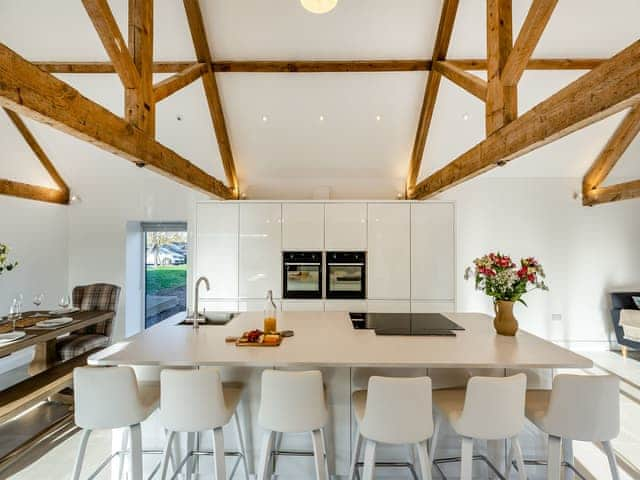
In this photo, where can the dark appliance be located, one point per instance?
(409, 324)
(302, 274)
(346, 275)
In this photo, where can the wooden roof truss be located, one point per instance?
(609, 86)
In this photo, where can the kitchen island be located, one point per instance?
(347, 357)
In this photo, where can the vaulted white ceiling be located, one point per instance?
(293, 152)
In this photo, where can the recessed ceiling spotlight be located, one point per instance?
(265, 119)
(179, 117)
(466, 116)
(378, 118)
(75, 198)
(319, 6)
(322, 118)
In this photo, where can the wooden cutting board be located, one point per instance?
(243, 342)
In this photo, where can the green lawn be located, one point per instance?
(170, 276)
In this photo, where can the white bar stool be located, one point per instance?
(110, 398)
(293, 402)
(491, 408)
(194, 401)
(579, 407)
(395, 411)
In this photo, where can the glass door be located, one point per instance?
(165, 271)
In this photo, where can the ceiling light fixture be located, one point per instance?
(378, 118)
(265, 119)
(322, 118)
(466, 117)
(319, 6)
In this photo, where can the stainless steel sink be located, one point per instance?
(211, 318)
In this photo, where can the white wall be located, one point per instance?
(37, 234)
(587, 252)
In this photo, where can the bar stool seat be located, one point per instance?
(194, 401)
(111, 398)
(490, 408)
(393, 411)
(578, 407)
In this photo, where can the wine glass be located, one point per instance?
(38, 299)
(64, 302)
(14, 312)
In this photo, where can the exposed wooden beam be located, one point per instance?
(628, 129)
(322, 66)
(535, 63)
(171, 85)
(111, 37)
(33, 192)
(473, 84)
(610, 88)
(27, 90)
(443, 37)
(612, 193)
(37, 150)
(502, 101)
(530, 33)
(140, 108)
(105, 67)
(203, 54)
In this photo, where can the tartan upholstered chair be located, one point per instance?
(98, 296)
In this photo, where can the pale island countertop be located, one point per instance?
(327, 339)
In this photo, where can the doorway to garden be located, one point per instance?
(165, 270)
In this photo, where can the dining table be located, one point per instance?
(44, 338)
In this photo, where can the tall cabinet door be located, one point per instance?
(388, 261)
(260, 249)
(303, 226)
(345, 226)
(432, 251)
(217, 248)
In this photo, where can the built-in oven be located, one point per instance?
(302, 274)
(346, 275)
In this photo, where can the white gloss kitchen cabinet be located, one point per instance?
(217, 249)
(432, 252)
(303, 226)
(260, 245)
(345, 227)
(389, 250)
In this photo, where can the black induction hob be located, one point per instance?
(409, 324)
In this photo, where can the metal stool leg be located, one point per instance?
(82, 450)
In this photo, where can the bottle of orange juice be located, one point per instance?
(270, 314)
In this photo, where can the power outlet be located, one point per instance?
(556, 317)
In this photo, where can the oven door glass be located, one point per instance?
(346, 281)
(303, 280)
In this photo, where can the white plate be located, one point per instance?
(62, 311)
(11, 337)
(54, 322)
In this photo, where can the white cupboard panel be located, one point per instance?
(433, 307)
(217, 249)
(252, 305)
(260, 255)
(303, 306)
(228, 305)
(388, 259)
(303, 226)
(345, 306)
(388, 306)
(345, 226)
(432, 251)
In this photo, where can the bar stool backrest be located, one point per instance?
(106, 397)
(398, 410)
(192, 400)
(493, 407)
(584, 407)
(292, 401)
